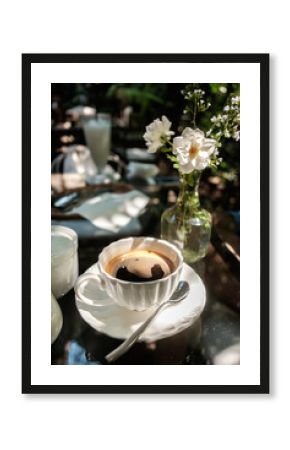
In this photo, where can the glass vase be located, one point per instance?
(186, 224)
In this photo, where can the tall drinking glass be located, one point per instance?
(98, 138)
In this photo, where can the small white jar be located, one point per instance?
(64, 259)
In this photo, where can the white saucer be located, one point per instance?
(101, 313)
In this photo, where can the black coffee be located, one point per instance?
(140, 266)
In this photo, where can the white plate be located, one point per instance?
(102, 314)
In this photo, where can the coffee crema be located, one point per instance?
(140, 266)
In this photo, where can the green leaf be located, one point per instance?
(172, 158)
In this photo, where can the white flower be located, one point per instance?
(157, 133)
(193, 150)
(235, 100)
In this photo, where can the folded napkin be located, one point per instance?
(112, 212)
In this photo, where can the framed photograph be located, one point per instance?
(145, 218)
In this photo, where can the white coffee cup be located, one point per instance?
(135, 295)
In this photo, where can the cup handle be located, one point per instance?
(85, 277)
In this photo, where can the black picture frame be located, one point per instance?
(263, 61)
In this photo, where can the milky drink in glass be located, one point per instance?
(98, 138)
